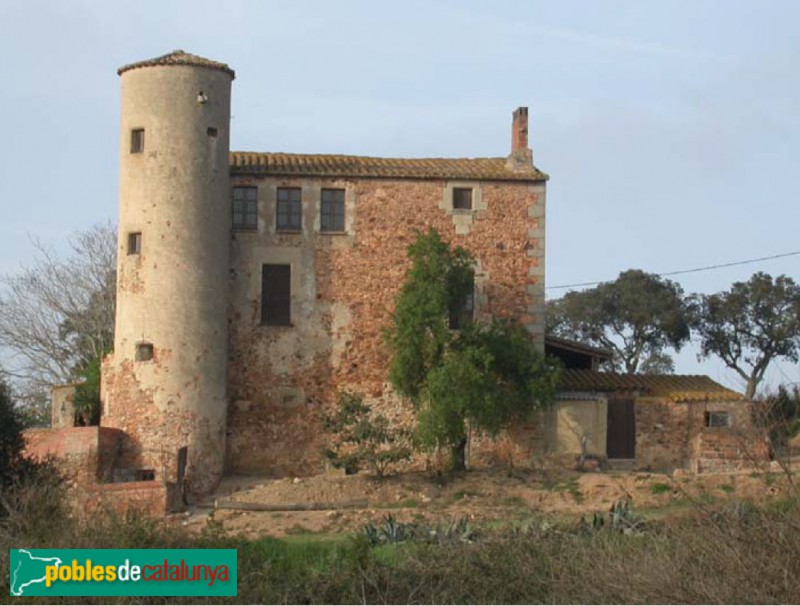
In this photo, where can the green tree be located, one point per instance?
(482, 377)
(11, 441)
(86, 400)
(436, 285)
(637, 316)
(750, 325)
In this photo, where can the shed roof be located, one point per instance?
(678, 388)
(178, 57)
(335, 165)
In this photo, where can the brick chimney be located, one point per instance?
(521, 156)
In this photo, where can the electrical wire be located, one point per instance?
(686, 271)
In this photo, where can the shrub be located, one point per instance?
(362, 437)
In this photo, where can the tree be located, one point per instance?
(637, 317)
(482, 377)
(11, 441)
(749, 326)
(57, 315)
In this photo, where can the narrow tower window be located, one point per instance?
(212, 132)
(276, 295)
(137, 140)
(332, 210)
(290, 209)
(144, 352)
(135, 243)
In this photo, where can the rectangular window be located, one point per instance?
(290, 209)
(245, 208)
(462, 198)
(144, 352)
(718, 419)
(276, 295)
(137, 140)
(135, 243)
(462, 315)
(332, 210)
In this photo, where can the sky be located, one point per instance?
(670, 130)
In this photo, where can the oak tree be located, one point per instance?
(638, 317)
(750, 325)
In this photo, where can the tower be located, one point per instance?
(165, 383)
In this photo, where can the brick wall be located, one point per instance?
(83, 454)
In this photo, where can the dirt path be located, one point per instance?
(480, 495)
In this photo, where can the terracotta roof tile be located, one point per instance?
(178, 57)
(678, 388)
(320, 165)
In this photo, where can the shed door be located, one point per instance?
(621, 429)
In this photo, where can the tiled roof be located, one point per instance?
(178, 57)
(320, 165)
(678, 388)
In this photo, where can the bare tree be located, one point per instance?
(57, 314)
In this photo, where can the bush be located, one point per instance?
(364, 438)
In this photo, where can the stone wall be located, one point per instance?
(281, 378)
(724, 449)
(663, 431)
(83, 454)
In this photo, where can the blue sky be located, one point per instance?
(671, 130)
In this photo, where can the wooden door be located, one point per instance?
(621, 429)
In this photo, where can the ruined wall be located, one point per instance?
(83, 455)
(62, 407)
(725, 449)
(343, 288)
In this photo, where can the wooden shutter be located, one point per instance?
(276, 295)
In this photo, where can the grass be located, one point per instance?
(660, 488)
(713, 553)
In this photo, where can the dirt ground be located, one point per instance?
(483, 496)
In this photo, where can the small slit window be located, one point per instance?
(462, 198)
(212, 132)
(135, 243)
(137, 140)
(718, 419)
(144, 475)
(144, 352)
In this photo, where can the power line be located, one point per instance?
(686, 271)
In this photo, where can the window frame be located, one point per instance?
(715, 419)
(134, 244)
(289, 209)
(457, 196)
(465, 316)
(331, 213)
(137, 140)
(248, 210)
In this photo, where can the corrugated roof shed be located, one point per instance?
(678, 388)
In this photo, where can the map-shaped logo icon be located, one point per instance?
(27, 569)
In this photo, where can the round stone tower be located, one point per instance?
(165, 383)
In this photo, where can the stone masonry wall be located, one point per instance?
(343, 287)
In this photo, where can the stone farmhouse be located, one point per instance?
(253, 287)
